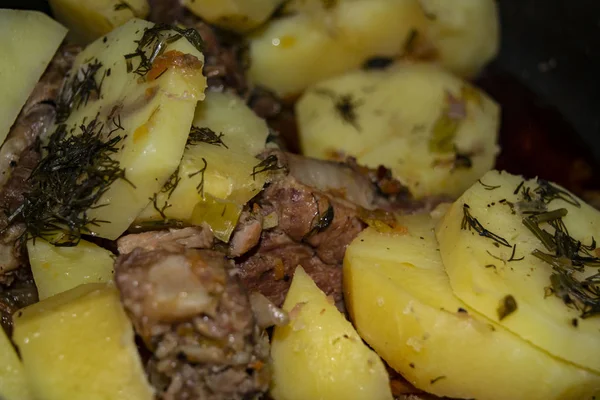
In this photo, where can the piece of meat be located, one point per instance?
(321, 206)
(197, 237)
(269, 270)
(195, 317)
(246, 234)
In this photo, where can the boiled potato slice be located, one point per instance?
(402, 304)
(319, 355)
(237, 15)
(496, 273)
(463, 33)
(13, 384)
(215, 177)
(80, 344)
(151, 113)
(58, 269)
(297, 51)
(29, 41)
(87, 20)
(434, 131)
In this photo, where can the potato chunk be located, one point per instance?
(29, 41)
(500, 268)
(87, 20)
(463, 33)
(215, 177)
(434, 131)
(319, 355)
(79, 345)
(13, 384)
(145, 109)
(57, 269)
(402, 304)
(237, 15)
(297, 51)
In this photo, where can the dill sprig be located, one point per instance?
(153, 43)
(271, 163)
(205, 135)
(79, 89)
(567, 256)
(76, 170)
(201, 172)
(471, 223)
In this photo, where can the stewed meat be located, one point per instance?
(196, 318)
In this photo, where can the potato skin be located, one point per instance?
(398, 116)
(401, 302)
(319, 355)
(541, 319)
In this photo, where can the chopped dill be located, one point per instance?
(567, 257)
(549, 192)
(439, 378)
(79, 89)
(201, 172)
(344, 105)
(508, 305)
(153, 43)
(469, 222)
(489, 187)
(74, 173)
(171, 183)
(271, 163)
(205, 135)
(462, 161)
(160, 209)
(512, 255)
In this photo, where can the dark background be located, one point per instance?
(546, 79)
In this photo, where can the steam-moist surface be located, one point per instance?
(401, 303)
(540, 319)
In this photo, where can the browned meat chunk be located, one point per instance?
(247, 234)
(196, 318)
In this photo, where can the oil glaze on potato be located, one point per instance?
(295, 52)
(319, 355)
(483, 271)
(57, 269)
(87, 20)
(79, 345)
(29, 41)
(402, 304)
(434, 131)
(152, 115)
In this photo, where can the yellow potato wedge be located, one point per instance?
(319, 355)
(87, 20)
(13, 383)
(488, 253)
(436, 132)
(80, 344)
(29, 42)
(402, 304)
(58, 269)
